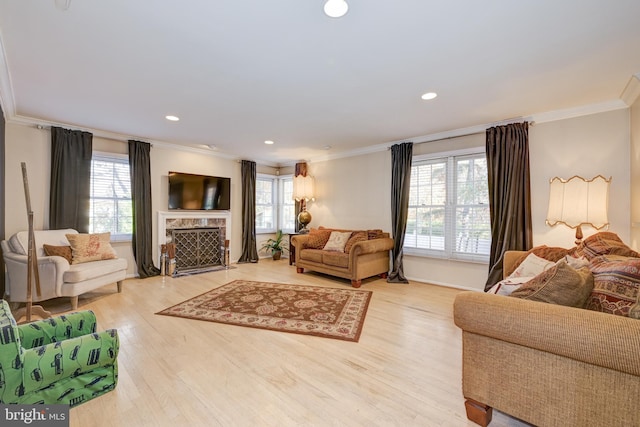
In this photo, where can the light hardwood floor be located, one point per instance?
(404, 371)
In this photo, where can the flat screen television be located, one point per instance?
(199, 192)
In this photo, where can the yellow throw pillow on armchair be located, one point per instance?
(90, 247)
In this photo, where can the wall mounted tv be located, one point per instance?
(199, 192)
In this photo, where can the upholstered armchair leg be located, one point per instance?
(478, 412)
(356, 283)
(74, 303)
(384, 275)
(119, 285)
(299, 270)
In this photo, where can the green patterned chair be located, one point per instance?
(61, 360)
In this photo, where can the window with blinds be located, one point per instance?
(275, 207)
(110, 204)
(449, 208)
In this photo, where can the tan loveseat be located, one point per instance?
(58, 277)
(547, 364)
(366, 256)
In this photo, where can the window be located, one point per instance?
(265, 204)
(111, 206)
(449, 208)
(275, 207)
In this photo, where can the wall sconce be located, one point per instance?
(303, 191)
(577, 201)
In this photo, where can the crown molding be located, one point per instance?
(632, 91)
(7, 100)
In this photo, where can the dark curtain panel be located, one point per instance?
(249, 248)
(70, 179)
(301, 169)
(401, 155)
(2, 202)
(509, 194)
(142, 238)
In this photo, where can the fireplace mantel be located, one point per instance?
(193, 216)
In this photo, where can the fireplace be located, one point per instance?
(199, 237)
(198, 248)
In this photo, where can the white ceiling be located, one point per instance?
(243, 71)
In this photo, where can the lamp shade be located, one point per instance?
(303, 188)
(578, 201)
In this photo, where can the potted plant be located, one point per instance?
(275, 246)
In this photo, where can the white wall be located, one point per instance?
(635, 175)
(33, 146)
(354, 192)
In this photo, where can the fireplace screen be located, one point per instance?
(197, 248)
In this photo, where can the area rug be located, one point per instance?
(308, 310)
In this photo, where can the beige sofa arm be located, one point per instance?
(596, 338)
(372, 246)
(509, 262)
(298, 240)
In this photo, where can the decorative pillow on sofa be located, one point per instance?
(616, 284)
(317, 239)
(603, 243)
(90, 247)
(337, 241)
(374, 234)
(527, 270)
(63, 251)
(550, 253)
(560, 284)
(356, 236)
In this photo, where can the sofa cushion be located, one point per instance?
(19, 242)
(336, 259)
(603, 243)
(91, 247)
(314, 255)
(63, 251)
(560, 284)
(317, 239)
(356, 236)
(90, 270)
(616, 285)
(337, 241)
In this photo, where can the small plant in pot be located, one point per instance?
(275, 246)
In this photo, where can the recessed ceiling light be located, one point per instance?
(429, 95)
(335, 8)
(172, 118)
(269, 142)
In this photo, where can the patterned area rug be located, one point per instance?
(309, 310)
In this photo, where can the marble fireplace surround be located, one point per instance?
(168, 220)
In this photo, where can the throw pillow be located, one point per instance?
(90, 247)
(356, 236)
(317, 239)
(531, 266)
(508, 285)
(374, 234)
(560, 284)
(550, 253)
(616, 283)
(337, 241)
(603, 243)
(63, 251)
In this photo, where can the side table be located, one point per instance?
(292, 249)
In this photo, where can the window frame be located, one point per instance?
(274, 191)
(113, 158)
(277, 203)
(449, 252)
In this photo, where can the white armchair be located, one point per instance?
(58, 278)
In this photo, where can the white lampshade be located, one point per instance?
(303, 188)
(578, 201)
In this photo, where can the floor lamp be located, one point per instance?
(32, 263)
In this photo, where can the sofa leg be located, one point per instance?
(74, 303)
(119, 285)
(356, 283)
(478, 412)
(384, 275)
(299, 269)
